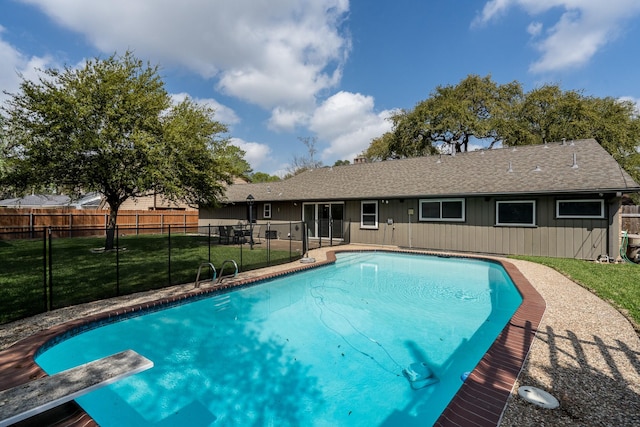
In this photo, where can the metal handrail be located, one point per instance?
(222, 269)
(211, 267)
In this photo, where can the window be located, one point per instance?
(442, 210)
(266, 210)
(580, 208)
(516, 213)
(369, 214)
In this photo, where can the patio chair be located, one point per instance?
(226, 234)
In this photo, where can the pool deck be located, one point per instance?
(584, 352)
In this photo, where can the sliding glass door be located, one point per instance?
(324, 220)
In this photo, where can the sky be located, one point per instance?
(281, 71)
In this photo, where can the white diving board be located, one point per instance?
(32, 398)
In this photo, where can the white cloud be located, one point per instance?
(584, 28)
(223, 114)
(14, 66)
(256, 154)
(348, 121)
(280, 52)
(283, 119)
(534, 29)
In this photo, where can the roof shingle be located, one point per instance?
(572, 167)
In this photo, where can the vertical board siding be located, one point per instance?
(553, 237)
(565, 238)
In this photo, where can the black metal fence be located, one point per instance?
(52, 270)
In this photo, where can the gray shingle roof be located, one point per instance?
(533, 169)
(37, 201)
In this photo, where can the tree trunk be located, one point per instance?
(111, 227)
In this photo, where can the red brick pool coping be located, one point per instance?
(479, 402)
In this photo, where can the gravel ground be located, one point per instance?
(586, 353)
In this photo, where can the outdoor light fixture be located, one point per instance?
(250, 200)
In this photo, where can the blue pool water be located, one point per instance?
(325, 347)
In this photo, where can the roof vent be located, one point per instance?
(572, 143)
(514, 149)
(575, 162)
(537, 169)
(564, 141)
(510, 168)
(439, 158)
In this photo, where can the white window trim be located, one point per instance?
(421, 218)
(266, 210)
(601, 216)
(508, 224)
(362, 225)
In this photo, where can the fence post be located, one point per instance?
(44, 269)
(240, 243)
(290, 237)
(169, 246)
(268, 236)
(330, 231)
(209, 244)
(50, 272)
(117, 261)
(305, 237)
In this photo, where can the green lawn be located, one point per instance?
(79, 274)
(619, 284)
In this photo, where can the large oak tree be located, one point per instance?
(110, 127)
(479, 109)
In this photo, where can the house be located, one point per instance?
(37, 201)
(94, 201)
(557, 200)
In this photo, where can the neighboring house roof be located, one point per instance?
(571, 167)
(89, 201)
(37, 201)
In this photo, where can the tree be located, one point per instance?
(342, 163)
(449, 119)
(263, 177)
(480, 109)
(233, 156)
(109, 127)
(300, 164)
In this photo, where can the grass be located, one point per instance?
(618, 284)
(79, 274)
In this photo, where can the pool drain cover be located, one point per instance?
(538, 397)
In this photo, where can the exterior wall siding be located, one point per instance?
(231, 214)
(565, 238)
(553, 237)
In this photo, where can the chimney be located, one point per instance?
(359, 159)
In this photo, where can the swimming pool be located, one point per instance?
(323, 347)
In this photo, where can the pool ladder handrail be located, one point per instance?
(235, 274)
(211, 267)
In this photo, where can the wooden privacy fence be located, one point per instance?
(22, 223)
(630, 215)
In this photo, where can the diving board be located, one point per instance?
(26, 400)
